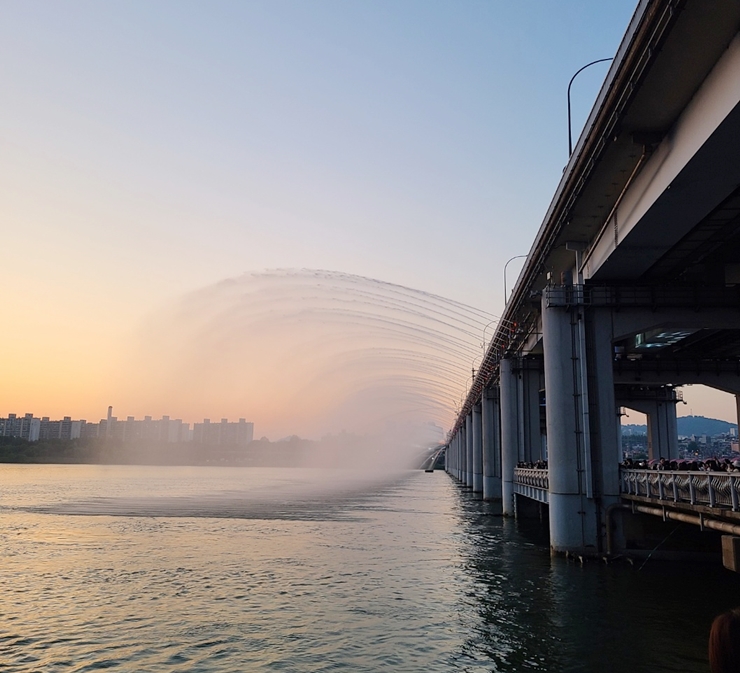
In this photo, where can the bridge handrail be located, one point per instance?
(531, 476)
(715, 489)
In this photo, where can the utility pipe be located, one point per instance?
(722, 526)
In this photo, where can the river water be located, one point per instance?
(249, 569)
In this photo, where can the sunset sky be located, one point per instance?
(149, 150)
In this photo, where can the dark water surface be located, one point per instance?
(231, 569)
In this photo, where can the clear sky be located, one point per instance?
(151, 149)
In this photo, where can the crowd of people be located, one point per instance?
(681, 464)
(707, 465)
(537, 465)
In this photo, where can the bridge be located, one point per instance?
(630, 290)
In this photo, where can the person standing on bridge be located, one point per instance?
(724, 643)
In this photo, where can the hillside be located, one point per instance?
(687, 426)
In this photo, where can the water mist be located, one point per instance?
(311, 353)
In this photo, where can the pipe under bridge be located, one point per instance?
(631, 288)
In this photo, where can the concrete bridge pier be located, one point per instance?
(477, 431)
(509, 384)
(491, 440)
(582, 426)
(462, 454)
(572, 521)
(451, 456)
(522, 439)
(451, 462)
(605, 432)
(469, 450)
(458, 455)
(659, 405)
(532, 438)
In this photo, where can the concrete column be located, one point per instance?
(477, 450)
(459, 462)
(606, 431)
(491, 438)
(458, 437)
(662, 428)
(469, 449)
(454, 461)
(531, 448)
(453, 457)
(509, 433)
(458, 459)
(463, 453)
(449, 458)
(454, 449)
(573, 525)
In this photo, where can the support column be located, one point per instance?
(531, 444)
(469, 449)
(664, 430)
(509, 433)
(450, 457)
(606, 430)
(491, 438)
(463, 453)
(477, 450)
(457, 455)
(573, 525)
(659, 405)
(456, 473)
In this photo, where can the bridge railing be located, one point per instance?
(713, 489)
(532, 477)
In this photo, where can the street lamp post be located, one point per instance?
(485, 343)
(570, 132)
(506, 298)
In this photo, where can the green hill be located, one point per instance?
(689, 425)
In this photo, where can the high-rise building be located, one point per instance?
(223, 433)
(130, 431)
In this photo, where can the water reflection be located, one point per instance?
(538, 613)
(265, 572)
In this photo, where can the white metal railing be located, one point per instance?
(532, 477)
(713, 489)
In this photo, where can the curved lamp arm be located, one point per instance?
(506, 299)
(588, 65)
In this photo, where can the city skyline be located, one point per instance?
(129, 429)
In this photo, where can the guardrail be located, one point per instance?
(530, 476)
(532, 483)
(713, 489)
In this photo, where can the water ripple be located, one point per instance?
(410, 575)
